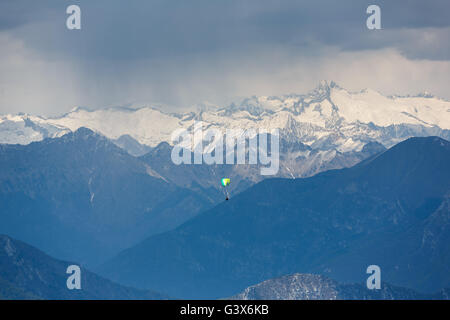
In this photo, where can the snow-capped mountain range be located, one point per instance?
(329, 117)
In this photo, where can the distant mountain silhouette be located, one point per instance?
(28, 273)
(391, 210)
(133, 147)
(80, 197)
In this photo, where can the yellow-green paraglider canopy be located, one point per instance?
(226, 181)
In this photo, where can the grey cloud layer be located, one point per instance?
(181, 52)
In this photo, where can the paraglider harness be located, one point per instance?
(225, 183)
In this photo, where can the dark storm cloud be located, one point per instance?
(182, 52)
(135, 29)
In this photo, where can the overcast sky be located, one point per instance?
(185, 52)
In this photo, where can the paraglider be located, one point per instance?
(225, 183)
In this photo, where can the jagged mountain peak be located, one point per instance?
(85, 132)
(323, 89)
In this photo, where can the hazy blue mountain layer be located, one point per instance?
(391, 210)
(80, 197)
(28, 273)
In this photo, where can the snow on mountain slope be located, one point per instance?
(24, 129)
(147, 125)
(370, 106)
(328, 118)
